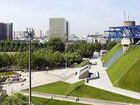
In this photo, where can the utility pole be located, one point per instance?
(30, 33)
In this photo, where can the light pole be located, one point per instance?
(66, 56)
(30, 33)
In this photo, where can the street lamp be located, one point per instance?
(30, 33)
(66, 63)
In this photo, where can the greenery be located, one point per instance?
(7, 73)
(109, 54)
(53, 54)
(110, 45)
(82, 64)
(19, 99)
(41, 59)
(125, 72)
(16, 99)
(84, 49)
(80, 90)
(56, 44)
(16, 46)
(44, 101)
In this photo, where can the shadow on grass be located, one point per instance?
(46, 103)
(75, 89)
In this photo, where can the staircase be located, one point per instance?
(114, 57)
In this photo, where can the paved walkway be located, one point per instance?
(86, 101)
(104, 82)
(38, 78)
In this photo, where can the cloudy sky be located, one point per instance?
(85, 16)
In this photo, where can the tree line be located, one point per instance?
(52, 54)
(40, 59)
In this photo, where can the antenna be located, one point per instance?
(133, 18)
(124, 14)
(128, 16)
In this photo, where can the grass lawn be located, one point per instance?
(44, 101)
(80, 90)
(109, 54)
(6, 73)
(131, 79)
(84, 63)
(125, 72)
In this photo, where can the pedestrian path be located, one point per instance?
(86, 101)
(104, 82)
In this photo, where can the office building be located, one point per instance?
(6, 31)
(59, 27)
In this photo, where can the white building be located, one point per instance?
(38, 33)
(96, 38)
(19, 34)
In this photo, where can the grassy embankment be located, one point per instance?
(110, 53)
(125, 72)
(80, 90)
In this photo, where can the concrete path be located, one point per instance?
(86, 101)
(38, 78)
(104, 82)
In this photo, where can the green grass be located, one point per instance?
(131, 79)
(125, 72)
(58, 88)
(7, 73)
(109, 54)
(44, 101)
(80, 90)
(84, 63)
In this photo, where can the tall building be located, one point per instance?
(59, 27)
(6, 31)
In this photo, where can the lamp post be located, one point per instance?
(30, 33)
(66, 63)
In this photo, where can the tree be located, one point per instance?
(56, 44)
(16, 99)
(75, 57)
(85, 50)
(38, 59)
(104, 46)
(21, 60)
(98, 46)
(110, 45)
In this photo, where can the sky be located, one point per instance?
(85, 16)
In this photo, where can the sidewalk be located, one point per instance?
(104, 82)
(86, 101)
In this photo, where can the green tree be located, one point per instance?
(98, 46)
(110, 45)
(21, 60)
(16, 99)
(56, 44)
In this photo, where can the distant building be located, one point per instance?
(72, 38)
(96, 38)
(38, 37)
(19, 34)
(59, 27)
(6, 31)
